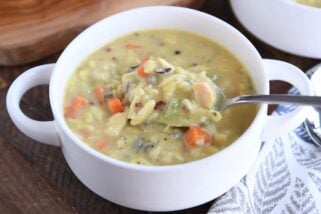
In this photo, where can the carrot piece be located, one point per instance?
(141, 72)
(84, 133)
(141, 69)
(196, 137)
(115, 105)
(69, 112)
(100, 144)
(77, 103)
(132, 46)
(100, 93)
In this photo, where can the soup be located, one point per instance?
(313, 3)
(149, 98)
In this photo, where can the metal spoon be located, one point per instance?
(224, 103)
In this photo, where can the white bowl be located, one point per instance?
(156, 188)
(283, 24)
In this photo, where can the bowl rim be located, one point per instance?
(261, 112)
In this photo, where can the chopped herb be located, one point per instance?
(172, 108)
(136, 34)
(194, 64)
(114, 58)
(162, 70)
(177, 52)
(140, 145)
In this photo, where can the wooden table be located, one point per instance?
(34, 178)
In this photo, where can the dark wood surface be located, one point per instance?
(34, 178)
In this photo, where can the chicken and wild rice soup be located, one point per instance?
(149, 98)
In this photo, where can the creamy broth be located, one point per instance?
(147, 98)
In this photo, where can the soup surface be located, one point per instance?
(313, 3)
(148, 98)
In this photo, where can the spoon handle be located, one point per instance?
(279, 99)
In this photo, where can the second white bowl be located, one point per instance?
(283, 24)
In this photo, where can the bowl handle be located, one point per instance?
(278, 125)
(42, 131)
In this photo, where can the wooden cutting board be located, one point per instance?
(33, 29)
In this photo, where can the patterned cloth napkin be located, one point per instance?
(285, 179)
